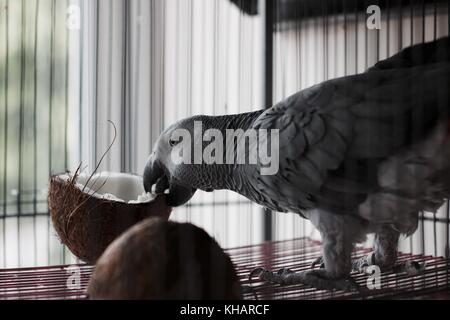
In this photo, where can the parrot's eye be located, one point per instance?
(173, 142)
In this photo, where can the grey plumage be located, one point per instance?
(335, 130)
(358, 154)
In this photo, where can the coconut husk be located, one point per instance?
(159, 259)
(86, 224)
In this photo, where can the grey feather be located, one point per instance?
(358, 154)
(365, 118)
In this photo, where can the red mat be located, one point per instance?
(57, 282)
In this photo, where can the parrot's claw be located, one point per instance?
(318, 261)
(280, 277)
(314, 278)
(411, 268)
(360, 265)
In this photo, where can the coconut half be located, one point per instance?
(88, 213)
(114, 186)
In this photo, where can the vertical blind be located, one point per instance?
(144, 64)
(141, 64)
(36, 94)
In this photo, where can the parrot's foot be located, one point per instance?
(361, 264)
(318, 261)
(318, 279)
(411, 268)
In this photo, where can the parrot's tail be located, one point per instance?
(415, 180)
(417, 55)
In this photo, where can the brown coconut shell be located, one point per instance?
(159, 259)
(87, 225)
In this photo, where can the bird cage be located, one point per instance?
(68, 67)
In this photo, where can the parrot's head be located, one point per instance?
(181, 160)
(163, 172)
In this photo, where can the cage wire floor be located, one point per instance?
(51, 282)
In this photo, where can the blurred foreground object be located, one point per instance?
(159, 259)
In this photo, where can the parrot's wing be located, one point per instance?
(333, 136)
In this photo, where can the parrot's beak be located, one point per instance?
(157, 180)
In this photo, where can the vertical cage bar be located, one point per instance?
(35, 129)
(81, 91)
(411, 40)
(356, 35)
(388, 33)
(66, 97)
(189, 77)
(137, 87)
(96, 76)
(400, 25)
(366, 42)
(51, 81)
(125, 86)
(435, 244)
(336, 33)
(21, 120)
(66, 111)
(151, 69)
(344, 9)
(50, 111)
(422, 222)
(109, 79)
(5, 132)
(266, 12)
(378, 40)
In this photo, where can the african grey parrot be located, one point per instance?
(359, 154)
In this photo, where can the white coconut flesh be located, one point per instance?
(114, 186)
